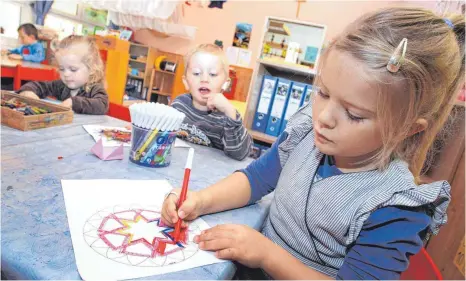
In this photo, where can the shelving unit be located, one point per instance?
(275, 66)
(116, 53)
(142, 58)
(165, 85)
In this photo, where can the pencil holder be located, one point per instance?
(151, 148)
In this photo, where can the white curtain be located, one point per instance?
(159, 9)
(161, 15)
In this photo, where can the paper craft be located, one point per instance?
(116, 229)
(181, 143)
(111, 136)
(107, 153)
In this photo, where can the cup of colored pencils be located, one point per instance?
(154, 130)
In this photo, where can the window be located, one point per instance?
(64, 26)
(10, 16)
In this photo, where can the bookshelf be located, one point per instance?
(278, 30)
(165, 85)
(116, 53)
(141, 58)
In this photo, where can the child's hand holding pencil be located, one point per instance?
(189, 210)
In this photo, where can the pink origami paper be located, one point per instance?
(107, 153)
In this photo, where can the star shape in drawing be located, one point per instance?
(141, 228)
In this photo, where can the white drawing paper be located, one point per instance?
(115, 230)
(109, 135)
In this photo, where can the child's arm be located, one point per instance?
(388, 238)
(16, 50)
(251, 248)
(96, 104)
(37, 54)
(237, 142)
(236, 139)
(239, 189)
(44, 89)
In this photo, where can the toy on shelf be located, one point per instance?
(161, 63)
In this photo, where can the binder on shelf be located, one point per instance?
(297, 93)
(267, 91)
(282, 92)
(307, 96)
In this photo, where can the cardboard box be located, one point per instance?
(60, 115)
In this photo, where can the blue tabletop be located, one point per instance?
(35, 237)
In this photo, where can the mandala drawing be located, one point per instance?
(134, 235)
(116, 135)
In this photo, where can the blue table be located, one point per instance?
(35, 238)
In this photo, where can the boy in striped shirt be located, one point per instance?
(211, 119)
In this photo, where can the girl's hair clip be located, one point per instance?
(395, 61)
(449, 23)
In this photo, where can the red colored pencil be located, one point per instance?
(184, 191)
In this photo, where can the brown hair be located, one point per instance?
(29, 29)
(424, 87)
(207, 48)
(91, 57)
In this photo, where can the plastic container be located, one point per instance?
(151, 148)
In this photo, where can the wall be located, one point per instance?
(220, 24)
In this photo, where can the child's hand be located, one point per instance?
(68, 103)
(15, 57)
(220, 102)
(235, 242)
(4, 52)
(29, 94)
(190, 209)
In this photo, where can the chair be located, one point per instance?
(33, 74)
(119, 111)
(421, 267)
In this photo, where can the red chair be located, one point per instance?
(421, 267)
(33, 74)
(119, 111)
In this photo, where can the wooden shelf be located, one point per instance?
(262, 137)
(277, 45)
(163, 71)
(278, 28)
(144, 62)
(138, 45)
(135, 77)
(161, 93)
(290, 67)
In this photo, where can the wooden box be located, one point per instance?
(60, 115)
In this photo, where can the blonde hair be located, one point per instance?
(91, 57)
(424, 87)
(210, 49)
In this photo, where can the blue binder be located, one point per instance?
(297, 93)
(307, 96)
(266, 94)
(280, 99)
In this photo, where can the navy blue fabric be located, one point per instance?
(263, 173)
(326, 169)
(388, 238)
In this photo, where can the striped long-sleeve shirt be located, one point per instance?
(213, 129)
